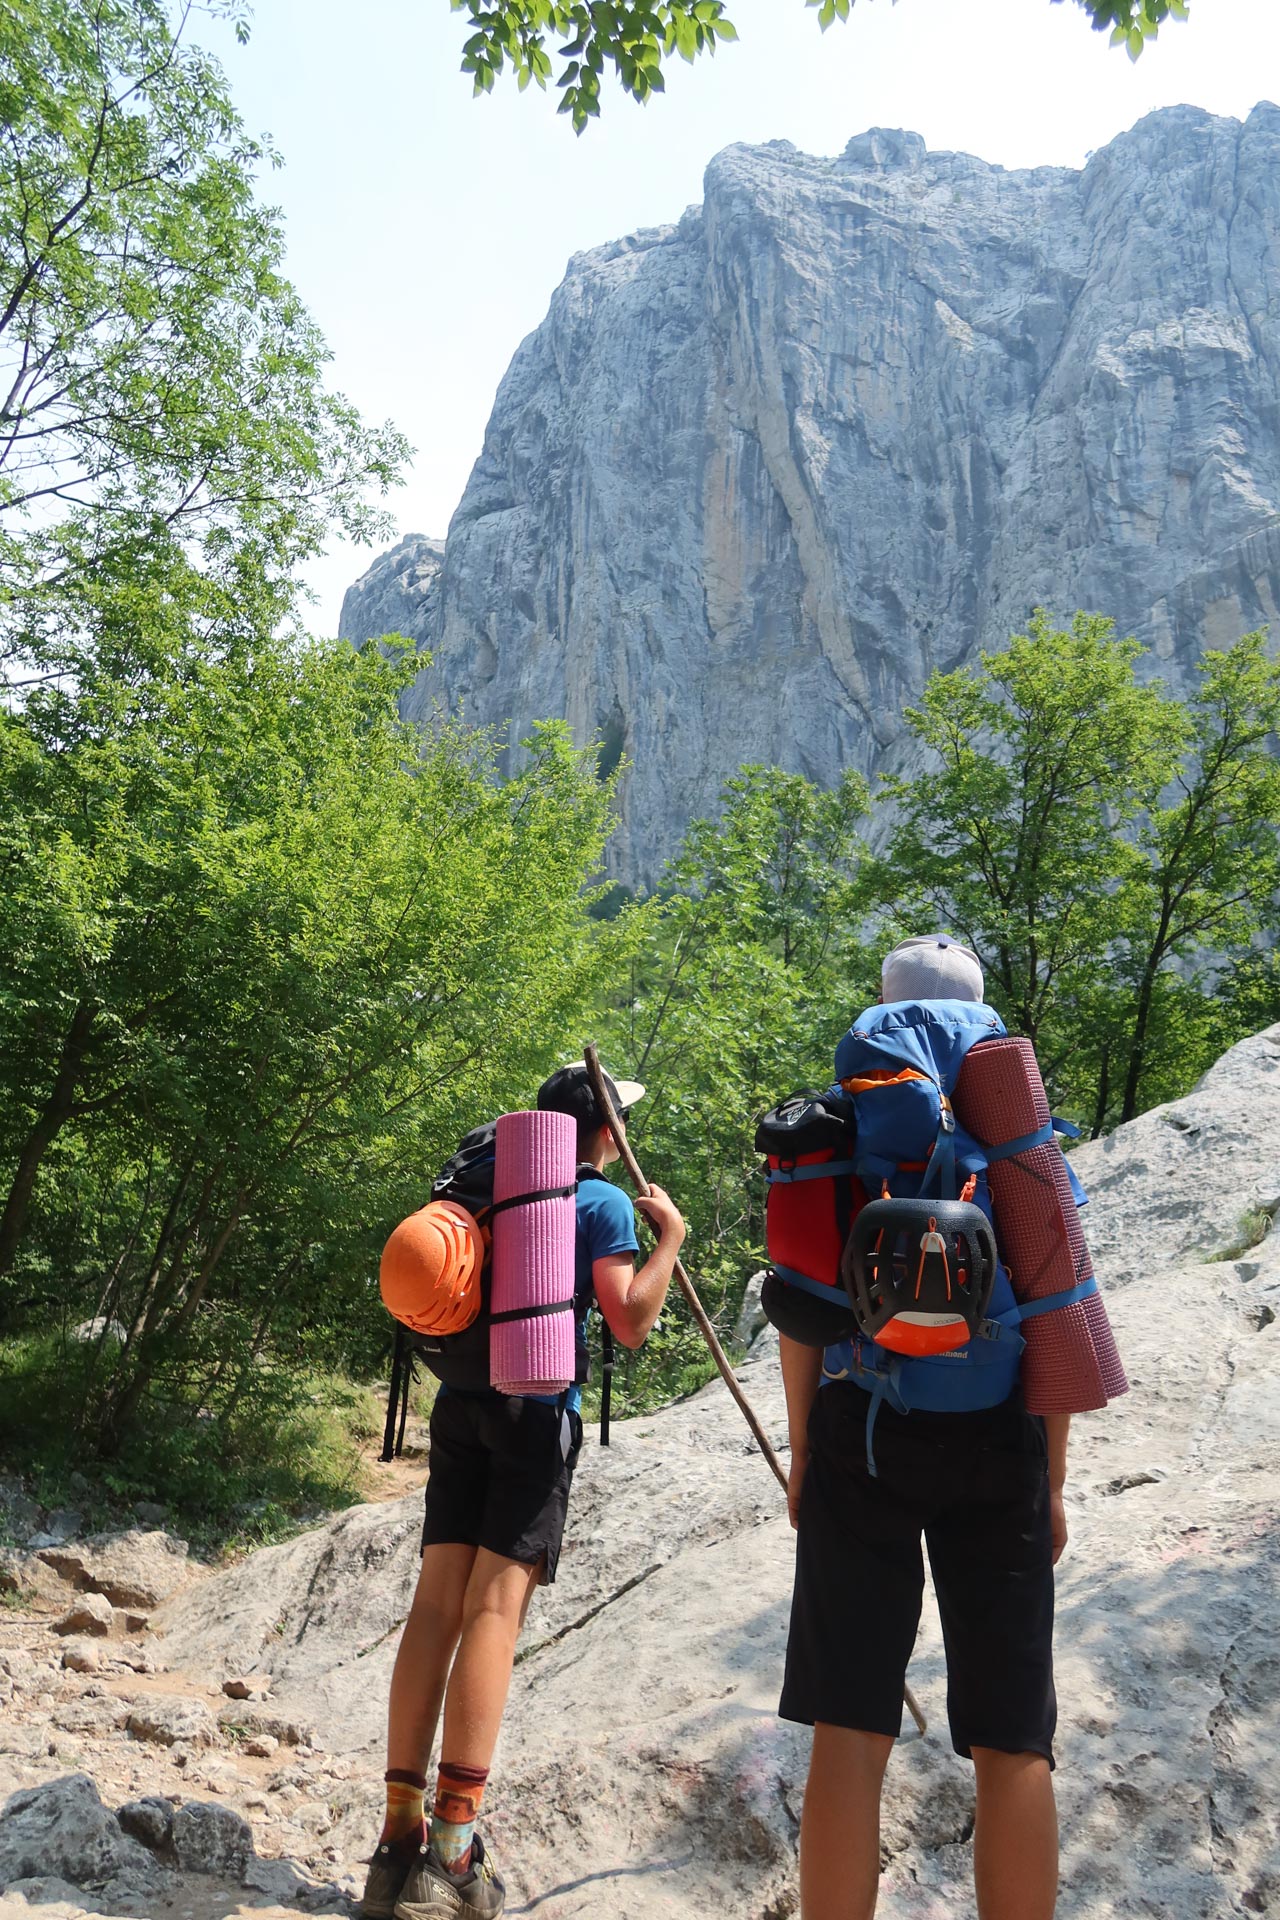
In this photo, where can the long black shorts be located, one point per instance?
(976, 1485)
(501, 1468)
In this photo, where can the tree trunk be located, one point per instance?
(1141, 1024)
(1104, 1093)
(160, 1330)
(53, 1116)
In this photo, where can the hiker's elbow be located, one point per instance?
(633, 1332)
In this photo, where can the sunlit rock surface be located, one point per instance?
(758, 473)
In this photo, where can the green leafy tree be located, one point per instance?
(1210, 864)
(635, 37)
(168, 450)
(1013, 836)
(287, 949)
(1108, 850)
(736, 998)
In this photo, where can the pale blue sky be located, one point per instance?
(427, 230)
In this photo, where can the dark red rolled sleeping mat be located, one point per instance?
(1071, 1363)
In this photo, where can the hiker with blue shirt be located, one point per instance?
(501, 1467)
(888, 1446)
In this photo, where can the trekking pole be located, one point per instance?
(696, 1307)
(699, 1312)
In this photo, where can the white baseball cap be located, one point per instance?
(931, 967)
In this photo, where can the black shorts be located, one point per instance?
(499, 1475)
(976, 1485)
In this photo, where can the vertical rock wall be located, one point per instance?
(757, 474)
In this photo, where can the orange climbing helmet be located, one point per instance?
(431, 1269)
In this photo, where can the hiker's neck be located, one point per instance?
(598, 1150)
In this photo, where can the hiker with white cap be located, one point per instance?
(931, 967)
(910, 1423)
(496, 1501)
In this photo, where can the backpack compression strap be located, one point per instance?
(885, 1379)
(824, 1170)
(606, 1378)
(527, 1199)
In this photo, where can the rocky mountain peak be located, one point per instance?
(759, 472)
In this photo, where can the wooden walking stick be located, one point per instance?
(699, 1312)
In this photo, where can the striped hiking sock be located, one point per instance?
(404, 1828)
(459, 1791)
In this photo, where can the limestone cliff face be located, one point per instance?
(399, 593)
(758, 473)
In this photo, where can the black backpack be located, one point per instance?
(461, 1360)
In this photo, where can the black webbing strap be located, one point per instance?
(404, 1402)
(531, 1313)
(606, 1378)
(527, 1199)
(398, 1368)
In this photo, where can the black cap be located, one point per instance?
(569, 1090)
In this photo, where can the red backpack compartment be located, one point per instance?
(813, 1199)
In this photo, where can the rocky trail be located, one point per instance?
(176, 1741)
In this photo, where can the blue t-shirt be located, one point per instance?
(606, 1225)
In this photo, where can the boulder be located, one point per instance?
(250, 1688)
(169, 1720)
(19, 1514)
(62, 1828)
(60, 1527)
(43, 1891)
(208, 1838)
(90, 1712)
(751, 1314)
(91, 1613)
(81, 1656)
(149, 1820)
(139, 1659)
(101, 1328)
(271, 1726)
(132, 1570)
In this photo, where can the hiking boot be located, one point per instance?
(432, 1894)
(389, 1868)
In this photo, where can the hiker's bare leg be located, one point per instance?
(1015, 1836)
(493, 1608)
(426, 1649)
(840, 1826)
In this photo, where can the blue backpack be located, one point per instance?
(899, 1064)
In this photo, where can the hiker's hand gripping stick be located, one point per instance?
(696, 1308)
